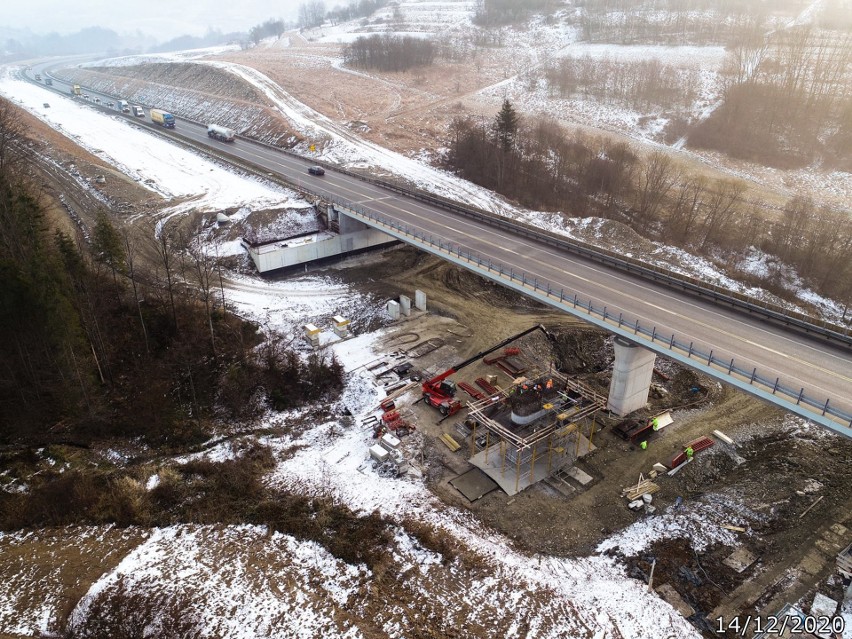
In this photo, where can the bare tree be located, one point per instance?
(130, 262)
(656, 178)
(721, 209)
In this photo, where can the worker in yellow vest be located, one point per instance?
(689, 453)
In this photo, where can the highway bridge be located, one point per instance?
(802, 365)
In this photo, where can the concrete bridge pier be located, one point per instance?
(631, 377)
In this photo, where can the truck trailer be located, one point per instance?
(76, 90)
(163, 117)
(123, 106)
(220, 133)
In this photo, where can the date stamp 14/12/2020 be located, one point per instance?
(786, 625)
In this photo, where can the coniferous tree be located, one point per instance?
(506, 126)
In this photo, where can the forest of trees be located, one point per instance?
(355, 9)
(636, 84)
(123, 337)
(674, 21)
(788, 99)
(538, 165)
(389, 52)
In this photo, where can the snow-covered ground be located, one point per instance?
(186, 181)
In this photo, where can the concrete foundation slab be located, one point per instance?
(580, 476)
(631, 377)
(739, 560)
(474, 484)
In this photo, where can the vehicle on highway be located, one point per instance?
(75, 90)
(48, 81)
(123, 106)
(165, 118)
(137, 111)
(97, 100)
(86, 96)
(111, 105)
(46, 105)
(316, 170)
(38, 77)
(220, 133)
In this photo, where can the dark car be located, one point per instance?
(316, 170)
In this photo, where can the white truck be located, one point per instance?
(123, 106)
(137, 111)
(220, 133)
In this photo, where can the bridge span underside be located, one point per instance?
(736, 360)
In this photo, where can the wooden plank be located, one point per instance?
(723, 437)
(449, 442)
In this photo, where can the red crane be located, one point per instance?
(439, 391)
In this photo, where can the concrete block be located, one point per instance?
(393, 309)
(405, 305)
(378, 453)
(578, 475)
(389, 442)
(420, 300)
(310, 330)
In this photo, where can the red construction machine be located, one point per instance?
(439, 391)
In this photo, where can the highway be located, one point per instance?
(823, 369)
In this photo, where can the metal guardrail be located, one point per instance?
(798, 398)
(617, 323)
(800, 321)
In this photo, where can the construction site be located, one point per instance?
(519, 433)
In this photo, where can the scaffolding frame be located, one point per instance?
(563, 419)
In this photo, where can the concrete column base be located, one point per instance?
(631, 377)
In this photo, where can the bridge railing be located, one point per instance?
(807, 323)
(774, 312)
(617, 322)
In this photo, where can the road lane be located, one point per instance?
(822, 368)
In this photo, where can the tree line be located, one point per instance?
(635, 84)
(673, 21)
(126, 337)
(787, 98)
(387, 52)
(537, 164)
(492, 13)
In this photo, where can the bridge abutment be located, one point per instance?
(631, 377)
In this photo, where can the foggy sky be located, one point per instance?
(162, 19)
